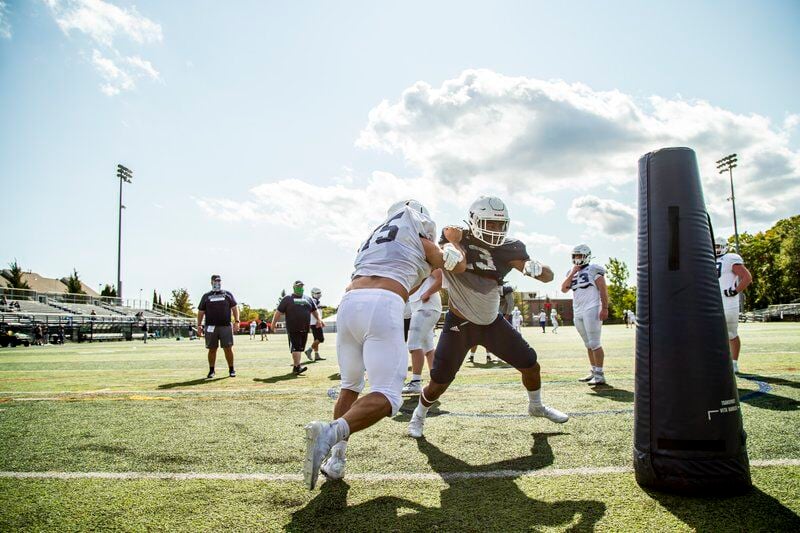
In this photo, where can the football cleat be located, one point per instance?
(598, 379)
(471, 358)
(590, 377)
(554, 415)
(232, 374)
(308, 354)
(333, 468)
(413, 387)
(415, 426)
(320, 437)
(211, 375)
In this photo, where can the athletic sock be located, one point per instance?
(230, 369)
(211, 369)
(341, 428)
(599, 370)
(421, 411)
(416, 377)
(535, 398)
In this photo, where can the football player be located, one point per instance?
(394, 259)
(589, 307)
(473, 318)
(316, 329)
(734, 278)
(426, 308)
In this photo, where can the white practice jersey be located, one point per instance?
(542, 317)
(313, 321)
(394, 250)
(553, 316)
(585, 294)
(434, 302)
(727, 278)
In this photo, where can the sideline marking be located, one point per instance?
(392, 476)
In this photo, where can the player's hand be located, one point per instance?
(603, 314)
(574, 270)
(235, 329)
(453, 234)
(451, 256)
(320, 324)
(200, 331)
(425, 297)
(730, 291)
(532, 268)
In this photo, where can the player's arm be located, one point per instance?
(435, 286)
(600, 283)
(200, 315)
(235, 310)
(533, 269)
(275, 319)
(320, 323)
(745, 278)
(565, 285)
(450, 257)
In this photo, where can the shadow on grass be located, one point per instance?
(754, 511)
(165, 459)
(612, 393)
(410, 403)
(190, 383)
(768, 400)
(276, 379)
(772, 380)
(334, 377)
(467, 503)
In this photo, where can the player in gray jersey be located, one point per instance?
(395, 259)
(473, 317)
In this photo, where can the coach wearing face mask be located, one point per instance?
(216, 307)
(298, 310)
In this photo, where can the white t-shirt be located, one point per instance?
(313, 321)
(542, 317)
(553, 316)
(434, 302)
(394, 250)
(728, 279)
(585, 294)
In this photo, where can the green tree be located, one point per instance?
(247, 313)
(328, 311)
(620, 295)
(108, 290)
(73, 283)
(181, 303)
(15, 276)
(155, 297)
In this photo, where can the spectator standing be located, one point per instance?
(253, 325)
(298, 310)
(542, 320)
(262, 326)
(216, 306)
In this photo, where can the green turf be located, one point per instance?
(124, 407)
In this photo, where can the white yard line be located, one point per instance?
(372, 477)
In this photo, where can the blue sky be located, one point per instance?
(267, 138)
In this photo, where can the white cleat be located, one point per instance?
(333, 468)
(413, 387)
(320, 438)
(590, 377)
(598, 379)
(554, 415)
(415, 426)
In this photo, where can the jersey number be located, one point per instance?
(389, 229)
(486, 262)
(581, 278)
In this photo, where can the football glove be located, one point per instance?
(451, 256)
(532, 269)
(730, 292)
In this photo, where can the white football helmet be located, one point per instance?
(720, 246)
(581, 255)
(413, 204)
(316, 293)
(486, 210)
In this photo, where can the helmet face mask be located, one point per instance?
(489, 220)
(581, 255)
(316, 293)
(720, 246)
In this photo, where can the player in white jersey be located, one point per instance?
(734, 278)
(426, 309)
(554, 320)
(587, 282)
(474, 300)
(316, 330)
(395, 258)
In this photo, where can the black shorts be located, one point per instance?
(406, 327)
(222, 335)
(318, 334)
(297, 341)
(459, 335)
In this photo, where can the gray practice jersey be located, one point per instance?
(394, 250)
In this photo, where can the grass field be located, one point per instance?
(168, 450)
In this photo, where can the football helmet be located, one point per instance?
(413, 204)
(581, 255)
(488, 220)
(720, 246)
(316, 293)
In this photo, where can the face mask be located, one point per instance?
(216, 285)
(298, 291)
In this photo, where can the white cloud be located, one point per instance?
(603, 216)
(485, 129)
(344, 213)
(540, 204)
(5, 25)
(104, 22)
(535, 242)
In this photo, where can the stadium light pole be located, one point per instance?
(126, 175)
(728, 163)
